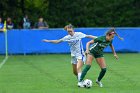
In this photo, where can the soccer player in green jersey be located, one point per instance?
(96, 51)
(74, 40)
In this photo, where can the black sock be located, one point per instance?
(84, 72)
(102, 73)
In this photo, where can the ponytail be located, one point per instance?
(118, 36)
(112, 31)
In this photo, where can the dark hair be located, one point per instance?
(112, 31)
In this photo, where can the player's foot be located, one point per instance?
(99, 83)
(81, 84)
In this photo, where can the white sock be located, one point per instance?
(79, 75)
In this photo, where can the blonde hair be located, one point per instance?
(68, 26)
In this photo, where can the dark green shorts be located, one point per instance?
(95, 54)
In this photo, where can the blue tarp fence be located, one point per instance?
(28, 41)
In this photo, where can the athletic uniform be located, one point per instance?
(99, 44)
(76, 46)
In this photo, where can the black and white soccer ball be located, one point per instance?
(87, 83)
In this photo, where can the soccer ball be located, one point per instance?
(87, 83)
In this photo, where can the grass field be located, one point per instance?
(52, 73)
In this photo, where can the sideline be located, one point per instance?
(3, 62)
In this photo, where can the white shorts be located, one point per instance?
(74, 59)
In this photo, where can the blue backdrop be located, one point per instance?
(30, 41)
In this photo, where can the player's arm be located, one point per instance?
(52, 41)
(87, 46)
(90, 36)
(113, 50)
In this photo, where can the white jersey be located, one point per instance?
(75, 44)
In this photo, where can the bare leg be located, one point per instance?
(87, 67)
(79, 67)
(102, 64)
(74, 66)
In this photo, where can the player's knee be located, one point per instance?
(79, 68)
(104, 70)
(88, 63)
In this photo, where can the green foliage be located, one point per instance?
(81, 13)
(35, 9)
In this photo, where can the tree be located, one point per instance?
(81, 13)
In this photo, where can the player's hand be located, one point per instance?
(116, 56)
(45, 40)
(87, 52)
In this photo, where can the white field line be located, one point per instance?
(3, 62)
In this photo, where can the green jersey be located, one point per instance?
(99, 44)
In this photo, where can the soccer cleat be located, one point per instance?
(99, 83)
(81, 84)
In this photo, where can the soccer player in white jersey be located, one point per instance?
(76, 47)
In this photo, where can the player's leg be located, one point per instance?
(85, 70)
(79, 68)
(74, 65)
(87, 66)
(102, 64)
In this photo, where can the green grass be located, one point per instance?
(53, 74)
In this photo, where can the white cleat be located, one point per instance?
(81, 84)
(99, 83)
